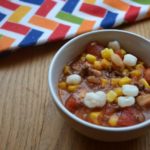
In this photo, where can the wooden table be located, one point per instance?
(28, 117)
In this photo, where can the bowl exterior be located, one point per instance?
(101, 135)
(135, 44)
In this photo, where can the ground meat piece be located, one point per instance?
(140, 86)
(88, 71)
(94, 72)
(93, 79)
(144, 100)
(108, 73)
(77, 66)
(118, 73)
(84, 72)
(82, 68)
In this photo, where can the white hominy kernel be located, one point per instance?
(130, 60)
(102, 98)
(130, 90)
(125, 101)
(73, 79)
(93, 100)
(114, 45)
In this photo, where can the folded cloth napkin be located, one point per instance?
(30, 22)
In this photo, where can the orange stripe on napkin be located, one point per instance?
(43, 22)
(117, 4)
(86, 26)
(90, 1)
(6, 42)
(19, 14)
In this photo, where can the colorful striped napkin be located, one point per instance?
(30, 22)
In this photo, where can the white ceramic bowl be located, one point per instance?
(131, 42)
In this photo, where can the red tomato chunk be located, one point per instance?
(72, 104)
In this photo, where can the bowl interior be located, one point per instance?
(131, 42)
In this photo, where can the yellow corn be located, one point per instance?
(106, 64)
(123, 52)
(113, 120)
(106, 53)
(118, 91)
(115, 81)
(111, 96)
(67, 69)
(135, 73)
(104, 82)
(62, 85)
(94, 116)
(90, 58)
(72, 88)
(125, 80)
(144, 82)
(97, 65)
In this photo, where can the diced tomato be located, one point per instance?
(83, 112)
(118, 52)
(72, 104)
(94, 48)
(130, 116)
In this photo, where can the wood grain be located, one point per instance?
(28, 117)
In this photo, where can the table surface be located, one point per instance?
(28, 118)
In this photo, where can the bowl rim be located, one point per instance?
(58, 102)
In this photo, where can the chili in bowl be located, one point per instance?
(103, 86)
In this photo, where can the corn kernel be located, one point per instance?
(139, 66)
(113, 120)
(90, 58)
(104, 82)
(123, 52)
(106, 53)
(115, 81)
(94, 116)
(105, 64)
(111, 96)
(118, 91)
(125, 80)
(67, 70)
(144, 82)
(62, 85)
(135, 73)
(97, 65)
(72, 88)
